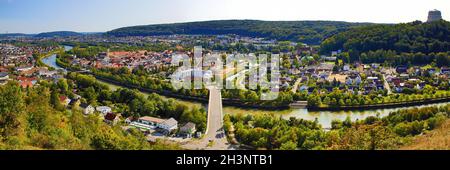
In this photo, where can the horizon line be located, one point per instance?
(184, 22)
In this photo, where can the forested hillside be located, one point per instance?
(31, 119)
(409, 37)
(310, 32)
(415, 42)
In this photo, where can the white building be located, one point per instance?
(4, 77)
(349, 81)
(87, 109)
(24, 68)
(151, 123)
(147, 123)
(103, 109)
(46, 73)
(372, 78)
(169, 125)
(346, 67)
(188, 129)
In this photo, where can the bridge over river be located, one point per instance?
(214, 138)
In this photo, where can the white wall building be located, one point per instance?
(103, 109)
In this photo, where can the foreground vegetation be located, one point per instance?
(436, 139)
(133, 104)
(391, 132)
(28, 120)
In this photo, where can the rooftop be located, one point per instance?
(152, 119)
(170, 122)
(3, 74)
(189, 125)
(84, 105)
(110, 116)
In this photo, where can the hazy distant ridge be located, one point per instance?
(58, 34)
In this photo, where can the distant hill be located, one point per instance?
(310, 32)
(92, 33)
(16, 35)
(407, 37)
(58, 34)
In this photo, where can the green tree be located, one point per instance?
(11, 108)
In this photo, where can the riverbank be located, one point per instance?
(392, 132)
(383, 106)
(50, 59)
(41, 57)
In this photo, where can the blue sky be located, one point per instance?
(33, 16)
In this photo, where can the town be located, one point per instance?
(304, 73)
(18, 64)
(115, 90)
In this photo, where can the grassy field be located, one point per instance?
(438, 139)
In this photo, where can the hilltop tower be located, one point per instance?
(434, 15)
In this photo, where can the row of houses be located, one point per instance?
(416, 70)
(15, 56)
(327, 76)
(105, 112)
(146, 123)
(405, 77)
(147, 59)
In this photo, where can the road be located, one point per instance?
(214, 138)
(386, 85)
(240, 79)
(294, 89)
(215, 131)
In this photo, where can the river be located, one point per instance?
(51, 60)
(324, 117)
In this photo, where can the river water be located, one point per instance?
(324, 117)
(51, 60)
